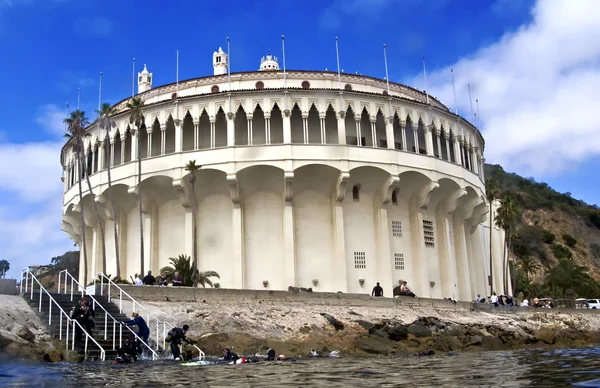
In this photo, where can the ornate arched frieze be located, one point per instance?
(288, 178)
(234, 188)
(422, 196)
(448, 206)
(340, 186)
(184, 189)
(479, 216)
(387, 188)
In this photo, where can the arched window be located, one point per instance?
(348, 87)
(259, 85)
(385, 93)
(356, 192)
(305, 85)
(214, 89)
(394, 197)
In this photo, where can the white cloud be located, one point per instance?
(538, 89)
(51, 118)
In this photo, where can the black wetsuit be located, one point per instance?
(176, 335)
(230, 356)
(129, 351)
(271, 356)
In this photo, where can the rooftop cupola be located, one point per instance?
(144, 80)
(220, 62)
(269, 63)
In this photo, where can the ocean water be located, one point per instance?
(536, 368)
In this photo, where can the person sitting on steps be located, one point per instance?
(405, 291)
(175, 336)
(130, 351)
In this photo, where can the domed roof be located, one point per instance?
(269, 63)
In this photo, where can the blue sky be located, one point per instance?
(534, 66)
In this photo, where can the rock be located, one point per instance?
(546, 334)
(397, 332)
(365, 325)
(455, 331)
(418, 330)
(25, 333)
(304, 329)
(492, 343)
(446, 343)
(354, 313)
(334, 322)
(379, 333)
(374, 345)
(473, 340)
(53, 356)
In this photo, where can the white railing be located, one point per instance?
(115, 323)
(166, 326)
(29, 279)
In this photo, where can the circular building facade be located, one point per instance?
(308, 179)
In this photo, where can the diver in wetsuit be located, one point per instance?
(175, 336)
(228, 355)
(130, 351)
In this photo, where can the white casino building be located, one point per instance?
(307, 180)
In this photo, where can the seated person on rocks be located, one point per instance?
(130, 351)
(149, 280)
(405, 291)
(177, 279)
(525, 303)
(494, 299)
(162, 280)
(536, 303)
(175, 336)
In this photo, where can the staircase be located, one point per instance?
(54, 307)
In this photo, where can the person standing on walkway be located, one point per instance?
(143, 329)
(149, 280)
(377, 290)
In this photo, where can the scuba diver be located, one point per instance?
(175, 336)
(228, 355)
(129, 352)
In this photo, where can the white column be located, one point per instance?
(322, 123)
(188, 235)
(93, 160)
(447, 137)
(374, 142)
(457, 150)
(341, 127)
(462, 260)
(358, 131)
(149, 143)
(287, 129)
(428, 139)
(288, 232)
(389, 133)
(416, 137)
(163, 137)
(339, 260)
(438, 133)
(384, 260)
(133, 148)
(196, 135)
(101, 155)
(249, 118)
(403, 130)
(123, 149)
(178, 138)
(267, 128)
(474, 161)
(95, 258)
(213, 135)
(305, 127)
(230, 130)
(419, 263)
(112, 152)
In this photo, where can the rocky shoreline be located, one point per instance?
(294, 328)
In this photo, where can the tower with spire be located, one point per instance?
(269, 63)
(220, 62)
(144, 80)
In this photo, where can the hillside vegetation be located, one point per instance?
(554, 239)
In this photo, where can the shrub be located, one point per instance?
(595, 219)
(548, 237)
(561, 252)
(569, 240)
(595, 249)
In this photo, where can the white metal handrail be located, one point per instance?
(29, 286)
(106, 314)
(135, 303)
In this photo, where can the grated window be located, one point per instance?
(360, 260)
(397, 229)
(428, 234)
(399, 261)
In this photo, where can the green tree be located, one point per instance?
(506, 218)
(183, 265)
(491, 192)
(136, 117)
(192, 168)
(4, 267)
(76, 123)
(106, 122)
(569, 240)
(548, 237)
(529, 266)
(568, 274)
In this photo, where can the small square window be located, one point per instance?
(360, 260)
(397, 229)
(428, 234)
(399, 261)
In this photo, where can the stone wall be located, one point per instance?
(8, 287)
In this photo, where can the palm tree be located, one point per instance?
(506, 218)
(191, 167)
(203, 278)
(136, 117)
(529, 266)
(567, 274)
(75, 124)
(106, 122)
(491, 192)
